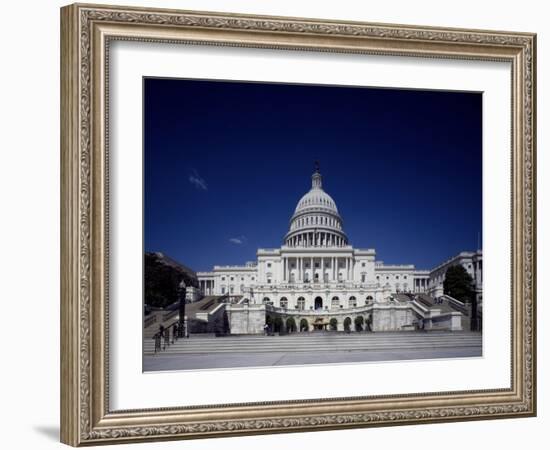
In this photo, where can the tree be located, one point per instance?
(291, 325)
(161, 282)
(359, 323)
(162, 276)
(368, 323)
(333, 324)
(347, 324)
(458, 284)
(226, 327)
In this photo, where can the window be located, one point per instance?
(405, 277)
(223, 290)
(223, 278)
(363, 278)
(352, 302)
(363, 264)
(316, 265)
(252, 278)
(369, 299)
(231, 289)
(231, 278)
(283, 302)
(301, 303)
(268, 264)
(397, 277)
(269, 281)
(335, 302)
(242, 278)
(266, 301)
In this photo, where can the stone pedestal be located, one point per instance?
(246, 319)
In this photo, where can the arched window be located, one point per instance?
(335, 302)
(266, 301)
(352, 302)
(369, 299)
(301, 303)
(283, 302)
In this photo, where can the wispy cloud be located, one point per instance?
(240, 240)
(196, 180)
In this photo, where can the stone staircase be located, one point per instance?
(318, 342)
(204, 305)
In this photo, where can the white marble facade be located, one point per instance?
(317, 268)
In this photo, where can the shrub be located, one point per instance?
(277, 323)
(347, 324)
(291, 325)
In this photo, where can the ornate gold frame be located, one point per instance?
(86, 31)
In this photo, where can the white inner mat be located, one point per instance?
(132, 389)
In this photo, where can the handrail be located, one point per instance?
(162, 338)
(149, 320)
(169, 315)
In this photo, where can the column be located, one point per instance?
(288, 269)
(322, 270)
(312, 270)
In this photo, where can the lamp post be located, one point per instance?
(182, 323)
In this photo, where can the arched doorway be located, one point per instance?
(318, 303)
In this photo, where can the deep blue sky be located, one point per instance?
(227, 162)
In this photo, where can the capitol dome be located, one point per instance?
(316, 198)
(316, 221)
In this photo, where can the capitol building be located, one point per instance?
(319, 277)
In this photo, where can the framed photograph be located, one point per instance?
(276, 224)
